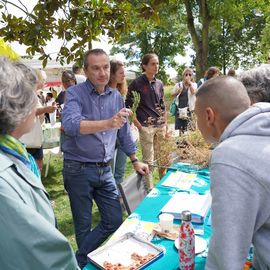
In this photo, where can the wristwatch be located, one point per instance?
(134, 160)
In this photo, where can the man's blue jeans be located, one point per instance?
(84, 183)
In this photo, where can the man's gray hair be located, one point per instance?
(257, 83)
(17, 95)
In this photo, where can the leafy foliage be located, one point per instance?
(76, 21)
(166, 37)
(235, 43)
(222, 33)
(228, 33)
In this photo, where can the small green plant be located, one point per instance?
(136, 101)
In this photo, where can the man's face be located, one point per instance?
(98, 70)
(67, 81)
(152, 66)
(204, 122)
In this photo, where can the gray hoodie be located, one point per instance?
(240, 188)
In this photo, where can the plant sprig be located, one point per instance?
(136, 101)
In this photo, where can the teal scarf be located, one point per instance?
(14, 147)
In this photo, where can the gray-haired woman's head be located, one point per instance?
(17, 98)
(257, 83)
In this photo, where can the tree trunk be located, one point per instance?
(201, 61)
(199, 36)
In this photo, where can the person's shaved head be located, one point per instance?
(225, 95)
(218, 102)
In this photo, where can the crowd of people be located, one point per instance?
(232, 112)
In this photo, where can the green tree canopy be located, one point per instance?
(166, 37)
(236, 40)
(226, 33)
(76, 21)
(222, 33)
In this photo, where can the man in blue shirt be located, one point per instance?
(93, 117)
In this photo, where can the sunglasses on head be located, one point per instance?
(188, 74)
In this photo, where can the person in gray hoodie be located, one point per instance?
(239, 173)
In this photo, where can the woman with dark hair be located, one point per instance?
(211, 73)
(118, 82)
(184, 92)
(231, 72)
(27, 222)
(151, 120)
(117, 77)
(68, 79)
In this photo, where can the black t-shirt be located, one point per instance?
(61, 98)
(183, 98)
(151, 100)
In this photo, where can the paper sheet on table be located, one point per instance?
(180, 180)
(142, 229)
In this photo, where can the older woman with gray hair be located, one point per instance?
(257, 83)
(27, 221)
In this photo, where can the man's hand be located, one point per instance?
(119, 119)
(141, 168)
(137, 124)
(50, 109)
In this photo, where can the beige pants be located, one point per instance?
(149, 136)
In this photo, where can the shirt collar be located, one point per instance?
(107, 91)
(152, 81)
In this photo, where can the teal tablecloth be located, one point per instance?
(149, 210)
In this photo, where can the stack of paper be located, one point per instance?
(180, 180)
(197, 204)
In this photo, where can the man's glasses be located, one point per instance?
(188, 74)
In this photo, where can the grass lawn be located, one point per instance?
(54, 185)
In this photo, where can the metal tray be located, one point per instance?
(120, 251)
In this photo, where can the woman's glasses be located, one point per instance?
(188, 74)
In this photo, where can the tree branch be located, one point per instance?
(23, 6)
(190, 24)
(5, 2)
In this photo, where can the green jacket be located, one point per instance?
(28, 237)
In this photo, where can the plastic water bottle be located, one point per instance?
(186, 250)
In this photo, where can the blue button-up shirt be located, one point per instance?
(83, 102)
